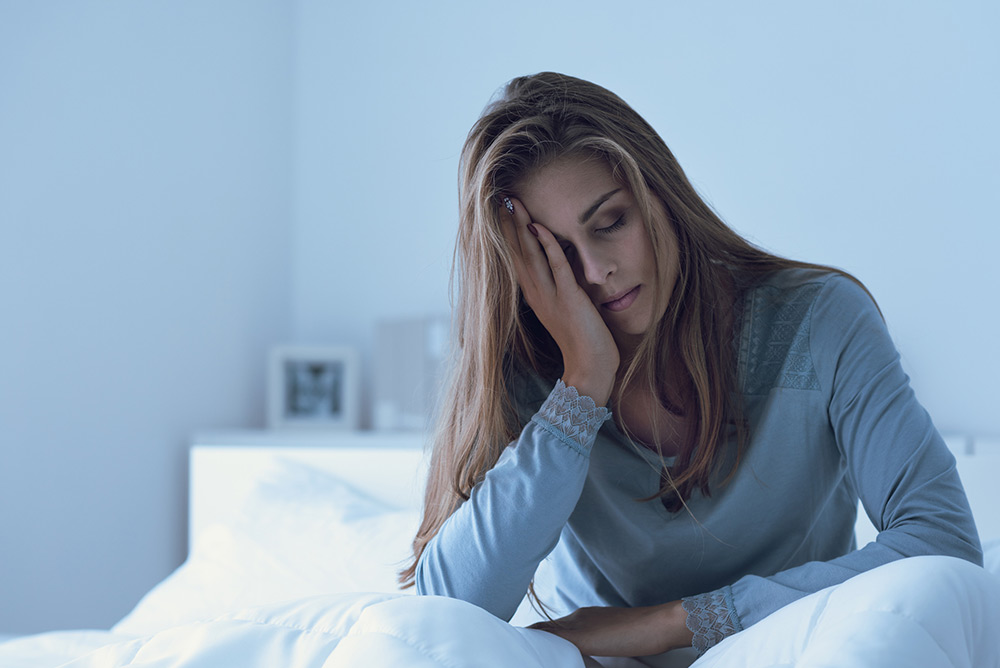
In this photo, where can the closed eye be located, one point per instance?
(613, 227)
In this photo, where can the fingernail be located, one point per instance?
(510, 205)
(531, 228)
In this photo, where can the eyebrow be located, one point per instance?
(597, 205)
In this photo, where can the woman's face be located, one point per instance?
(597, 222)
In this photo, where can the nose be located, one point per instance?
(593, 266)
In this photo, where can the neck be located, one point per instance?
(673, 383)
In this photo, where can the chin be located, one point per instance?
(636, 327)
(628, 335)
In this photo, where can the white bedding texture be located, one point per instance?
(304, 575)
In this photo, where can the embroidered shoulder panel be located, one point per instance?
(774, 346)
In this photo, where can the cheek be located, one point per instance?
(641, 253)
(638, 240)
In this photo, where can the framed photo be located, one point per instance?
(313, 387)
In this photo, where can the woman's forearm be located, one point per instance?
(607, 631)
(488, 550)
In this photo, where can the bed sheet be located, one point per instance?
(877, 619)
(44, 650)
(253, 585)
(341, 631)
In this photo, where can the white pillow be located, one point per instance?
(302, 532)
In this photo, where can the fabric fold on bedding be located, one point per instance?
(344, 631)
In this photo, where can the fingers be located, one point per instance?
(530, 262)
(538, 252)
(555, 259)
(536, 259)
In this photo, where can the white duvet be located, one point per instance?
(932, 612)
(245, 598)
(343, 630)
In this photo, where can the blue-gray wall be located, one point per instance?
(145, 165)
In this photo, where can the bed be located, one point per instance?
(295, 541)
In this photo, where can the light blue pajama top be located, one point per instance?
(832, 419)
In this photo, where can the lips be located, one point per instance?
(622, 301)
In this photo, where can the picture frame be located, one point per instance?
(313, 388)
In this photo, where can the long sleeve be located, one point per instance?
(487, 551)
(895, 460)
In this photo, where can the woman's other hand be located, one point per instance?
(643, 631)
(590, 355)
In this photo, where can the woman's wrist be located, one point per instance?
(674, 623)
(591, 384)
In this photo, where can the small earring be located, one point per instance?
(510, 205)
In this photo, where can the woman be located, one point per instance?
(684, 421)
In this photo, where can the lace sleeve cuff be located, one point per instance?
(576, 417)
(711, 618)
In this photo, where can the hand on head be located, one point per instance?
(550, 288)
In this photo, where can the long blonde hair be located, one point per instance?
(496, 337)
